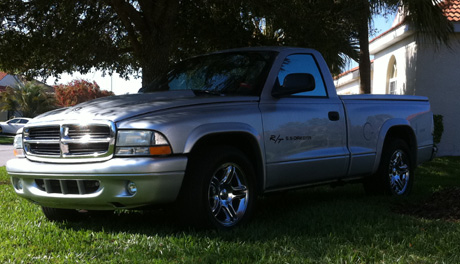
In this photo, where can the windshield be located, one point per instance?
(239, 73)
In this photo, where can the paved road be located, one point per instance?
(6, 153)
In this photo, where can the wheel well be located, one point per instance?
(243, 141)
(407, 134)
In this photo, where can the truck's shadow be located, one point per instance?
(312, 212)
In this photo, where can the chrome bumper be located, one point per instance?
(157, 181)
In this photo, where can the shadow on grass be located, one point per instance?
(344, 213)
(313, 212)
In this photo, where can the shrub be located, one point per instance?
(78, 91)
(438, 128)
(30, 99)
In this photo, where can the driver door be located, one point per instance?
(304, 133)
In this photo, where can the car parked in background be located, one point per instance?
(13, 125)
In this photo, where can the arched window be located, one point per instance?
(392, 79)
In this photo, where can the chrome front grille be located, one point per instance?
(45, 133)
(69, 142)
(96, 131)
(45, 149)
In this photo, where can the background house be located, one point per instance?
(7, 80)
(404, 65)
(14, 81)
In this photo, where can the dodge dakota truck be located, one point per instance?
(214, 133)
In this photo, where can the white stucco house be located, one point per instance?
(404, 65)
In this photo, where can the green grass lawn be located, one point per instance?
(318, 225)
(4, 140)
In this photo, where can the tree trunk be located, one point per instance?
(158, 38)
(150, 31)
(364, 56)
(155, 59)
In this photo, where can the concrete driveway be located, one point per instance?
(6, 153)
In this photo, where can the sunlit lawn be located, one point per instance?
(319, 225)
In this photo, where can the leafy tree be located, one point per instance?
(78, 91)
(314, 24)
(29, 100)
(48, 37)
(42, 37)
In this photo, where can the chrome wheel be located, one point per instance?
(395, 175)
(398, 172)
(228, 194)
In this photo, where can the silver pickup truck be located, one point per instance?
(214, 133)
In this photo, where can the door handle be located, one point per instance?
(334, 116)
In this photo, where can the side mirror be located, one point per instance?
(295, 83)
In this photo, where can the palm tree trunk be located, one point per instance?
(364, 56)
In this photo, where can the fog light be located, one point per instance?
(18, 184)
(131, 188)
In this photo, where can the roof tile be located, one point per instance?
(451, 10)
(2, 75)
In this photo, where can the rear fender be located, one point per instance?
(384, 133)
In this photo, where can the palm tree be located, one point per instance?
(28, 100)
(424, 16)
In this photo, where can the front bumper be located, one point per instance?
(158, 180)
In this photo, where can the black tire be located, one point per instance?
(61, 215)
(219, 189)
(395, 175)
(103, 214)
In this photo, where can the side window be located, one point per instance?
(302, 63)
(13, 121)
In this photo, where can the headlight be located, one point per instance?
(17, 146)
(141, 143)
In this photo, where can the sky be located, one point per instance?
(382, 24)
(121, 86)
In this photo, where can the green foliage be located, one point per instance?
(39, 38)
(319, 225)
(42, 38)
(438, 128)
(78, 91)
(6, 140)
(28, 100)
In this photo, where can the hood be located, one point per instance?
(117, 108)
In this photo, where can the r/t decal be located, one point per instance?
(276, 139)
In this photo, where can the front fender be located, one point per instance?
(218, 128)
